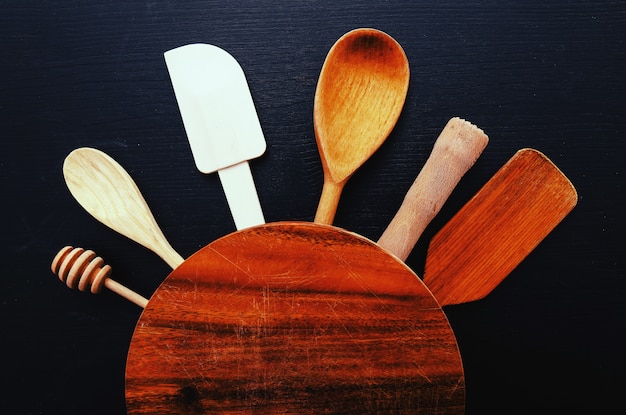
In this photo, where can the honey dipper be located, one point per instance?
(82, 269)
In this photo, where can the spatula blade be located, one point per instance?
(216, 106)
(517, 208)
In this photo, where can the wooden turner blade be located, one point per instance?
(508, 217)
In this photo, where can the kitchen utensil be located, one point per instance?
(360, 94)
(108, 193)
(84, 270)
(508, 217)
(455, 151)
(221, 122)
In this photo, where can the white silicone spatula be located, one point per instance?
(221, 122)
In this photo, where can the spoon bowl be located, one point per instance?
(359, 97)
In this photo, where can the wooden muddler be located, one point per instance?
(456, 150)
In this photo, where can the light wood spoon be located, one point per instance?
(109, 194)
(359, 97)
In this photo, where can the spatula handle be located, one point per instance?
(241, 195)
(456, 150)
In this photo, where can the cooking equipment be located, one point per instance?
(498, 228)
(360, 94)
(293, 318)
(109, 194)
(221, 122)
(301, 317)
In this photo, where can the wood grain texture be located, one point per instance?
(293, 318)
(498, 228)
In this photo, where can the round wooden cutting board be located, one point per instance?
(293, 318)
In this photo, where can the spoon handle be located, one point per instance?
(327, 206)
(109, 194)
(456, 150)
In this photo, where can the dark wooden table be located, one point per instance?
(543, 74)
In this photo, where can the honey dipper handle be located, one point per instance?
(456, 150)
(125, 292)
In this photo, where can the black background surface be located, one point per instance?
(542, 74)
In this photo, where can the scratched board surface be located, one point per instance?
(293, 318)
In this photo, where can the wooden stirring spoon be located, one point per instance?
(359, 97)
(109, 194)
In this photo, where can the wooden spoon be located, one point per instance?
(109, 194)
(359, 97)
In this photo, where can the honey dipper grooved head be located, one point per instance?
(81, 269)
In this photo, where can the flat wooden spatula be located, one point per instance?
(508, 217)
(221, 122)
